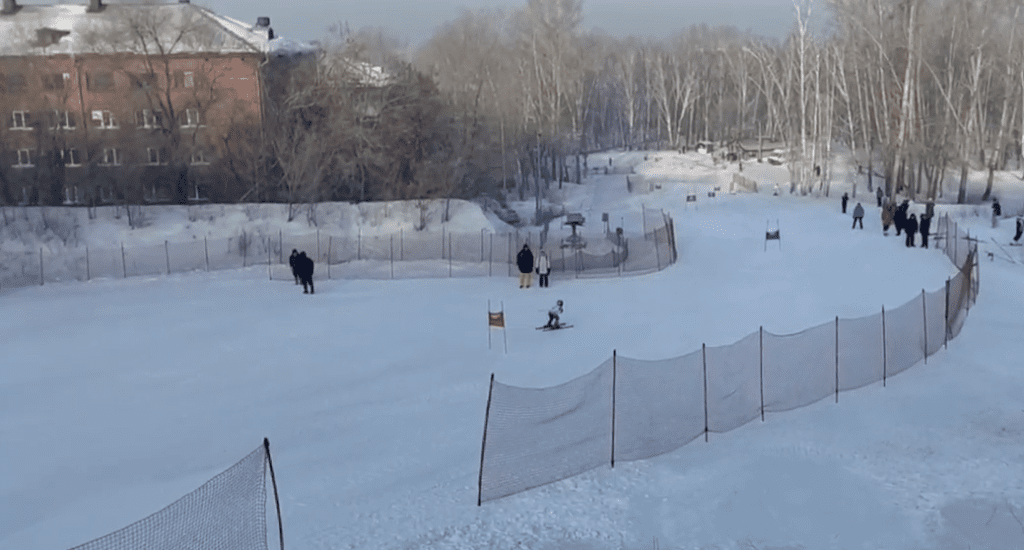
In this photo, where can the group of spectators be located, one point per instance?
(898, 215)
(525, 262)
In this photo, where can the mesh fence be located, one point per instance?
(227, 512)
(629, 409)
(401, 255)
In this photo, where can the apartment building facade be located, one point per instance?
(131, 102)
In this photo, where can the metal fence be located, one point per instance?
(394, 256)
(628, 409)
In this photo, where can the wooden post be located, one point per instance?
(167, 256)
(837, 358)
(614, 369)
(206, 248)
(483, 445)
(392, 245)
(124, 266)
(359, 244)
(401, 244)
(42, 277)
(490, 258)
(88, 275)
(330, 247)
(277, 500)
(270, 274)
(760, 348)
(449, 255)
(704, 358)
(883, 347)
(280, 246)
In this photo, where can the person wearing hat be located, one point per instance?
(543, 268)
(291, 262)
(858, 216)
(525, 262)
(553, 314)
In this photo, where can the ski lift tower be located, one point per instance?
(574, 241)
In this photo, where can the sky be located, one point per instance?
(118, 396)
(415, 21)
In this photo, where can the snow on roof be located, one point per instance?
(70, 29)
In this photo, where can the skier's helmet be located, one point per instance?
(559, 302)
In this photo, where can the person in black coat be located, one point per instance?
(291, 262)
(1020, 230)
(878, 195)
(925, 226)
(845, 199)
(910, 226)
(304, 268)
(525, 262)
(899, 219)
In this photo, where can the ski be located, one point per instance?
(547, 329)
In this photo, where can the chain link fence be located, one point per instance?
(395, 256)
(627, 409)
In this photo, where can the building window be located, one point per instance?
(104, 119)
(190, 118)
(199, 158)
(156, 156)
(184, 79)
(55, 81)
(21, 120)
(24, 159)
(13, 83)
(62, 120)
(71, 157)
(144, 81)
(148, 119)
(99, 82)
(189, 79)
(111, 157)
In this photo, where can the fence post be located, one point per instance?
(924, 312)
(206, 248)
(657, 252)
(330, 247)
(401, 244)
(490, 258)
(449, 255)
(124, 266)
(442, 240)
(245, 250)
(273, 480)
(704, 359)
(510, 254)
(883, 347)
(392, 245)
(945, 338)
(318, 244)
(280, 246)
(482, 229)
(837, 358)
(483, 445)
(614, 369)
(760, 354)
(643, 216)
(88, 275)
(41, 274)
(359, 244)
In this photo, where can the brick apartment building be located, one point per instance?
(150, 102)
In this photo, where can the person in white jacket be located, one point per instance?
(553, 314)
(543, 268)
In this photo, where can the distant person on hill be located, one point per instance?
(858, 215)
(926, 225)
(997, 212)
(543, 268)
(525, 262)
(291, 262)
(878, 195)
(304, 267)
(845, 198)
(887, 213)
(910, 226)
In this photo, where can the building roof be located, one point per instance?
(176, 28)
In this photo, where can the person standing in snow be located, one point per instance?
(887, 213)
(1020, 230)
(525, 262)
(845, 198)
(553, 314)
(910, 226)
(543, 268)
(291, 262)
(899, 218)
(878, 195)
(926, 224)
(997, 212)
(304, 267)
(858, 215)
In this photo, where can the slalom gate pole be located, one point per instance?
(837, 358)
(704, 359)
(883, 347)
(945, 337)
(88, 275)
(614, 368)
(42, 277)
(167, 256)
(924, 319)
(760, 354)
(124, 266)
(206, 248)
(483, 445)
(277, 500)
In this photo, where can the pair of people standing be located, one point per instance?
(524, 260)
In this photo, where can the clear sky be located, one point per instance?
(415, 21)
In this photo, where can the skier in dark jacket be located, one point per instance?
(845, 198)
(304, 268)
(858, 215)
(525, 262)
(291, 262)
(878, 195)
(910, 226)
(1020, 230)
(925, 226)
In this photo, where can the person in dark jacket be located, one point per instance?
(858, 216)
(925, 226)
(1020, 230)
(899, 218)
(845, 198)
(525, 262)
(910, 226)
(304, 268)
(878, 195)
(291, 262)
(997, 212)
